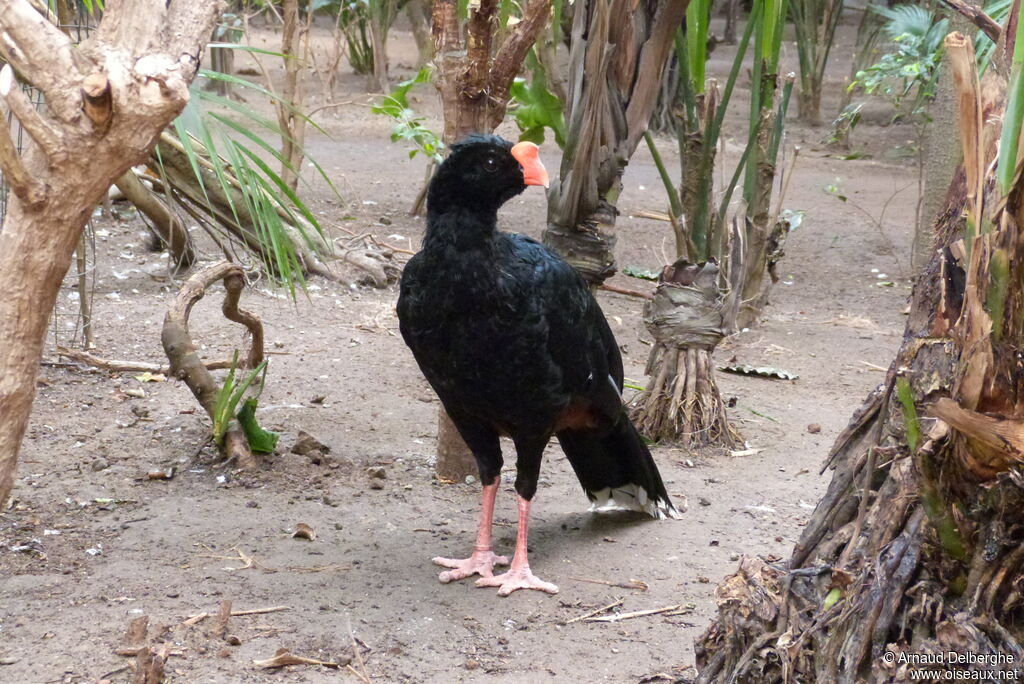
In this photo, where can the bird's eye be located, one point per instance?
(490, 164)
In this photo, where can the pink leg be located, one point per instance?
(483, 559)
(519, 575)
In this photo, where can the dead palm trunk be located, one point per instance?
(917, 547)
(107, 101)
(474, 88)
(681, 401)
(618, 53)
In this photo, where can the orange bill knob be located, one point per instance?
(528, 156)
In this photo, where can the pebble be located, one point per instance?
(99, 464)
(377, 472)
(306, 443)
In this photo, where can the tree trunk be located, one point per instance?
(419, 21)
(809, 102)
(381, 15)
(916, 549)
(107, 100)
(293, 126)
(168, 227)
(754, 291)
(474, 90)
(732, 18)
(474, 86)
(616, 71)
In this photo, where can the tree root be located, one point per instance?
(682, 402)
(184, 360)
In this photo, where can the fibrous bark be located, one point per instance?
(618, 53)
(147, 53)
(917, 548)
(681, 402)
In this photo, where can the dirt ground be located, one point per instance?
(89, 542)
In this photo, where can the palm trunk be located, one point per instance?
(681, 402)
(915, 548)
(419, 21)
(616, 74)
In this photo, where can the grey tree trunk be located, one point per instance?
(108, 99)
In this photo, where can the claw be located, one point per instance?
(515, 579)
(480, 563)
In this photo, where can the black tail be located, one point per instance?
(616, 469)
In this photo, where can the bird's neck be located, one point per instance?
(463, 228)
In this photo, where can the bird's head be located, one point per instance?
(485, 171)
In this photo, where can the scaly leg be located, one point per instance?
(483, 559)
(519, 575)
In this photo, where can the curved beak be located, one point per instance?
(528, 156)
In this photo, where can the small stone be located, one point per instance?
(814, 428)
(385, 221)
(703, 501)
(316, 457)
(233, 640)
(703, 580)
(224, 652)
(470, 480)
(471, 664)
(339, 526)
(99, 464)
(318, 399)
(377, 472)
(734, 556)
(252, 504)
(307, 443)
(376, 484)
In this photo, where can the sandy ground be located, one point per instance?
(89, 542)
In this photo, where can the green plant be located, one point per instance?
(814, 22)
(231, 393)
(251, 206)
(408, 126)
(911, 69)
(534, 107)
(354, 19)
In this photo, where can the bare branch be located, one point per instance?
(42, 54)
(30, 119)
(98, 106)
(989, 26)
(28, 189)
(511, 54)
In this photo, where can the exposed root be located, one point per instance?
(682, 402)
(185, 361)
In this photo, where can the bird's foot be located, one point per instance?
(480, 563)
(516, 578)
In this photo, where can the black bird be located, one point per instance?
(513, 342)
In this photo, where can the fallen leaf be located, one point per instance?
(285, 657)
(304, 531)
(150, 377)
(762, 372)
